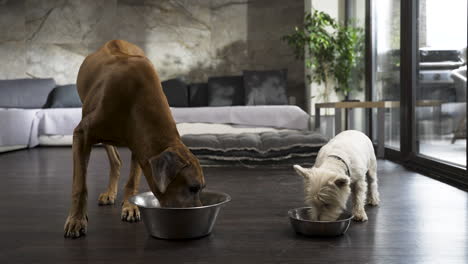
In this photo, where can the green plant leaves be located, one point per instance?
(333, 50)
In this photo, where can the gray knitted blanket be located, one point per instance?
(267, 146)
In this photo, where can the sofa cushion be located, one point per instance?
(265, 87)
(64, 96)
(176, 91)
(225, 91)
(198, 94)
(25, 93)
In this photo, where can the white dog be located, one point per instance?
(339, 170)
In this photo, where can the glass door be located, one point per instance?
(417, 65)
(440, 105)
(386, 68)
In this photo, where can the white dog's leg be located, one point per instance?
(373, 196)
(359, 200)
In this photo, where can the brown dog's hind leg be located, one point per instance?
(108, 197)
(77, 220)
(130, 212)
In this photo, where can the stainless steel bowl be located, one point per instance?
(180, 223)
(300, 222)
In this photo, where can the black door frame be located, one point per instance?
(408, 154)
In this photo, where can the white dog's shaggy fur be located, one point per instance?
(339, 172)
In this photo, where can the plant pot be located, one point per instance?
(347, 99)
(350, 100)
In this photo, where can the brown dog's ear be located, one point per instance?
(341, 182)
(164, 168)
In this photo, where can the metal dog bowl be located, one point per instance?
(180, 223)
(300, 222)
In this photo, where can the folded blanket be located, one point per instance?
(19, 126)
(256, 146)
(277, 116)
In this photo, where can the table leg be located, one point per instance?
(437, 122)
(350, 119)
(317, 118)
(345, 123)
(338, 120)
(380, 132)
(367, 121)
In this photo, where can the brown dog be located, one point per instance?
(124, 105)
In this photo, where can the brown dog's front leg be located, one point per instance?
(77, 221)
(130, 212)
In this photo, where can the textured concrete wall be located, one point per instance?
(191, 38)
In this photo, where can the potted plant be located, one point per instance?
(348, 67)
(331, 51)
(315, 44)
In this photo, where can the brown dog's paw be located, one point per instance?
(130, 213)
(74, 227)
(106, 199)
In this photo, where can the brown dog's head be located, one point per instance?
(178, 177)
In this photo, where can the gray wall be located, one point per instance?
(191, 38)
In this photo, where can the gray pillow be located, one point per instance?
(176, 92)
(265, 87)
(25, 93)
(225, 91)
(65, 96)
(198, 94)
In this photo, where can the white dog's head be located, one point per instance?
(325, 191)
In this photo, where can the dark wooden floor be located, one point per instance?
(420, 220)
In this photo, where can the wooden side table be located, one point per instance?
(340, 107)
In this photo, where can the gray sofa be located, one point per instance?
(38, 112)
(20, 104)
